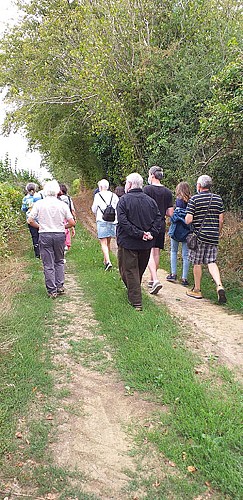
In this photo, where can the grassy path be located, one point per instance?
(192, 437)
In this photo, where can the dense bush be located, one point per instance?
(10, 205)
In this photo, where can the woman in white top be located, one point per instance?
(106, 230)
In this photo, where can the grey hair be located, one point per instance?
(103, 184)
(205, 181)
(31, 186)
(51, 188)
(157, 172)
(136, 180)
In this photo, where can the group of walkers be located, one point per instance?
(139, 226)
(136, 217)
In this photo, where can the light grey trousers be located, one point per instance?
(52, 255)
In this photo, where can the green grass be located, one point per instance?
(204, 421)
(25, 365)
(233, 290)
(92, 352)
(27, 394)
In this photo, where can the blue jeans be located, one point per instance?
(173, 257)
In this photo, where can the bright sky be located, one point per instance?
(15, 144)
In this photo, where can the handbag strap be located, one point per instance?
(209, 205)
(105, 201)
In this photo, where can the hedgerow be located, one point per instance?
(10, 204)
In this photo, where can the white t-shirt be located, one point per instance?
(51, 214)
(98, 204)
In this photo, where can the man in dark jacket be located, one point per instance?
(139, 222)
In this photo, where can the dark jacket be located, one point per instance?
(178, 228)
(136, 214)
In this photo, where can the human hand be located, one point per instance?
(147, 236)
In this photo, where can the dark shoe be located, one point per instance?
(155, 288)
(171, 277)
(196, 294)
(108, 266)
(221, 295)
(60, 291)
(184, 282)
(150, 284)
(52, 295)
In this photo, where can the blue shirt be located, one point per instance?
(28, 202)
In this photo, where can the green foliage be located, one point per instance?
(221, 133)
(104, 87)
(12, 185)
(75, 186)
(9, 212)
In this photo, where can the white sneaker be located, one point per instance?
(155, 288)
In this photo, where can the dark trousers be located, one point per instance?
(132, 264)
(35, 239)
(52, 256)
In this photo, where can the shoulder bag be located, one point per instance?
(192, 237)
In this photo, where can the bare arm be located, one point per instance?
(188, 218)
(32, 222)
(221, 221)
(70, 223)
(169, 212)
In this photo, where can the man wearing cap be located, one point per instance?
(163, 198)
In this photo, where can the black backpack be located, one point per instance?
(109, 214)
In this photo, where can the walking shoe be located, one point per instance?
(138, 308)
(184, 282)
(155, 288)
(150, 284)
(196, 294)
(60, 290)
(221, 295)
(171, 277)
(108, 266)
(52, 295)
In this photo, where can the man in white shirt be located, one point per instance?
(51, 216)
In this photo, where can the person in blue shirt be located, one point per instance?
(179, 226)
(27, 203)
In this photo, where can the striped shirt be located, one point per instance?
(197, 207)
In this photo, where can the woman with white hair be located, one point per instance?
(105, 230)
(51, 216)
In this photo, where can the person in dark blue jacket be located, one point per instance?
(139, 222)
(178, 232)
